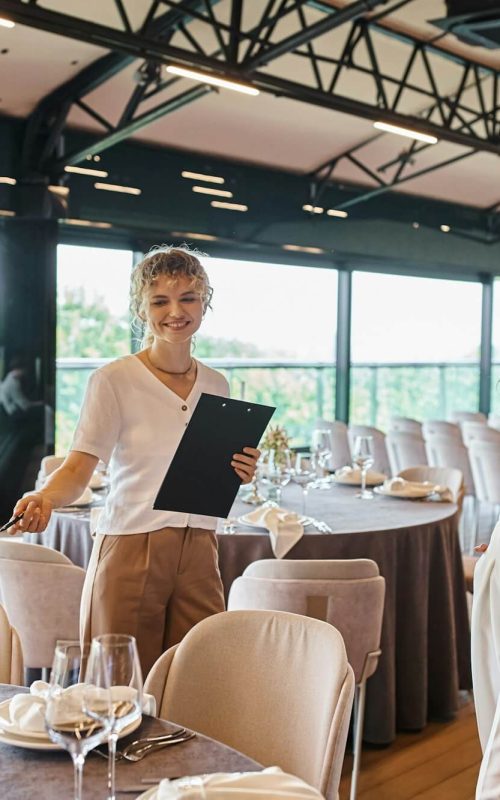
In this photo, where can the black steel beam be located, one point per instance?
(328, 23)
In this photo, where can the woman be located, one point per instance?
(152, 574)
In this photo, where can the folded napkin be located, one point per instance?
(353, 475)
(284, 527)
(417, 488)
(270, 783)
(27, 711)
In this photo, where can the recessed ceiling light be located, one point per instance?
(189, 235)
(7, 23)
(445, 228)
(209, 190)
(300, 249)
(337, 212)
(415, 225)
(115, 187)
(87, 223)
(9, 181)
(312, 209)
(213, 80)
(421, 137)
(96, 173)
(199, 176)
(229, 206)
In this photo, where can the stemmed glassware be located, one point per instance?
(279, 471)
(321, 450)
(304, 475)
(118, 654)
(362, 456)
(77, 715)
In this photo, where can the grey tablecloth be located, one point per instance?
(30, 774)
(425, 635)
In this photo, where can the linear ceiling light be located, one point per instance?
(313, 209)
(87, 223)
(9, 181)
(229, 206)
(300, 249)
(336, 212)
(421, 137)
(5, 212)
(213, 80)
(209, 190)
(114, 187)
(199, 176)
(62, 191)
(189, 235)
(7, 23)
(96, 173)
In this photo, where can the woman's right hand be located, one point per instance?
(36, 509)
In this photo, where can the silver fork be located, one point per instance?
(322, 527)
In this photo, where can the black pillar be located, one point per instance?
(27, 352)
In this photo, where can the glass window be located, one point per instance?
(93, 322)
(415, 346)
(272, 331)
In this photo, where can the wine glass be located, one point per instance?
(322, 449)
(279, 471)
(77, 715)
(118, 653)
(362, 456)
(304, 475)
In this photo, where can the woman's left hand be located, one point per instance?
(245, 464)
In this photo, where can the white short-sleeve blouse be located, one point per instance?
(134, 423)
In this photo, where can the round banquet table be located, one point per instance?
(425, 632)
(48, 775)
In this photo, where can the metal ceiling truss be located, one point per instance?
(281, 29)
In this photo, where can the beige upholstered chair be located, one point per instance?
(468, 416)
(381, 459)
(276, 686)
(494, 421)
(405, 425)
(18, 550)
(11, 656)
(348, 594)
(444, 476)
(485, 465)
(405, 450)
(341, 451)
(478, 432)
(42, 600)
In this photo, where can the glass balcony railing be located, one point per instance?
(303, 392)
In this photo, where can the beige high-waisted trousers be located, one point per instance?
(154, 586)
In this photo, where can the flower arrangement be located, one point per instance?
(276, 438)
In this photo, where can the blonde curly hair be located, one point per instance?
(174, 262)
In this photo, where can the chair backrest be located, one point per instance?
(443, 451)
(405, 425)
(445, 476)
(11, 654)
(282, 695)
(49, 464)
(438, 427)
(327, 568)
(485, 465)
(42, 601)
(468, 416)
(477, 431)
(354, 606)
(405, 450)
(24, 551)
(381, 458)
(494, 421)
(341, 452)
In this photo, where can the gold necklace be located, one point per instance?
(168, 372)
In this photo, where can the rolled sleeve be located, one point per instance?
(99, 423)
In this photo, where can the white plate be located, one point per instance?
(41, 741)
(354, 478)
(410, 494)
(244, 521)
(148, 794)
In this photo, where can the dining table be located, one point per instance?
(425, 641)
(48, 774)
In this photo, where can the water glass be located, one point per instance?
(77, 715)
(362, 456)
(304, 475)
(279, 471)
(322, 451)
(118, 653)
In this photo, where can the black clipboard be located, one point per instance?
(200, 478)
